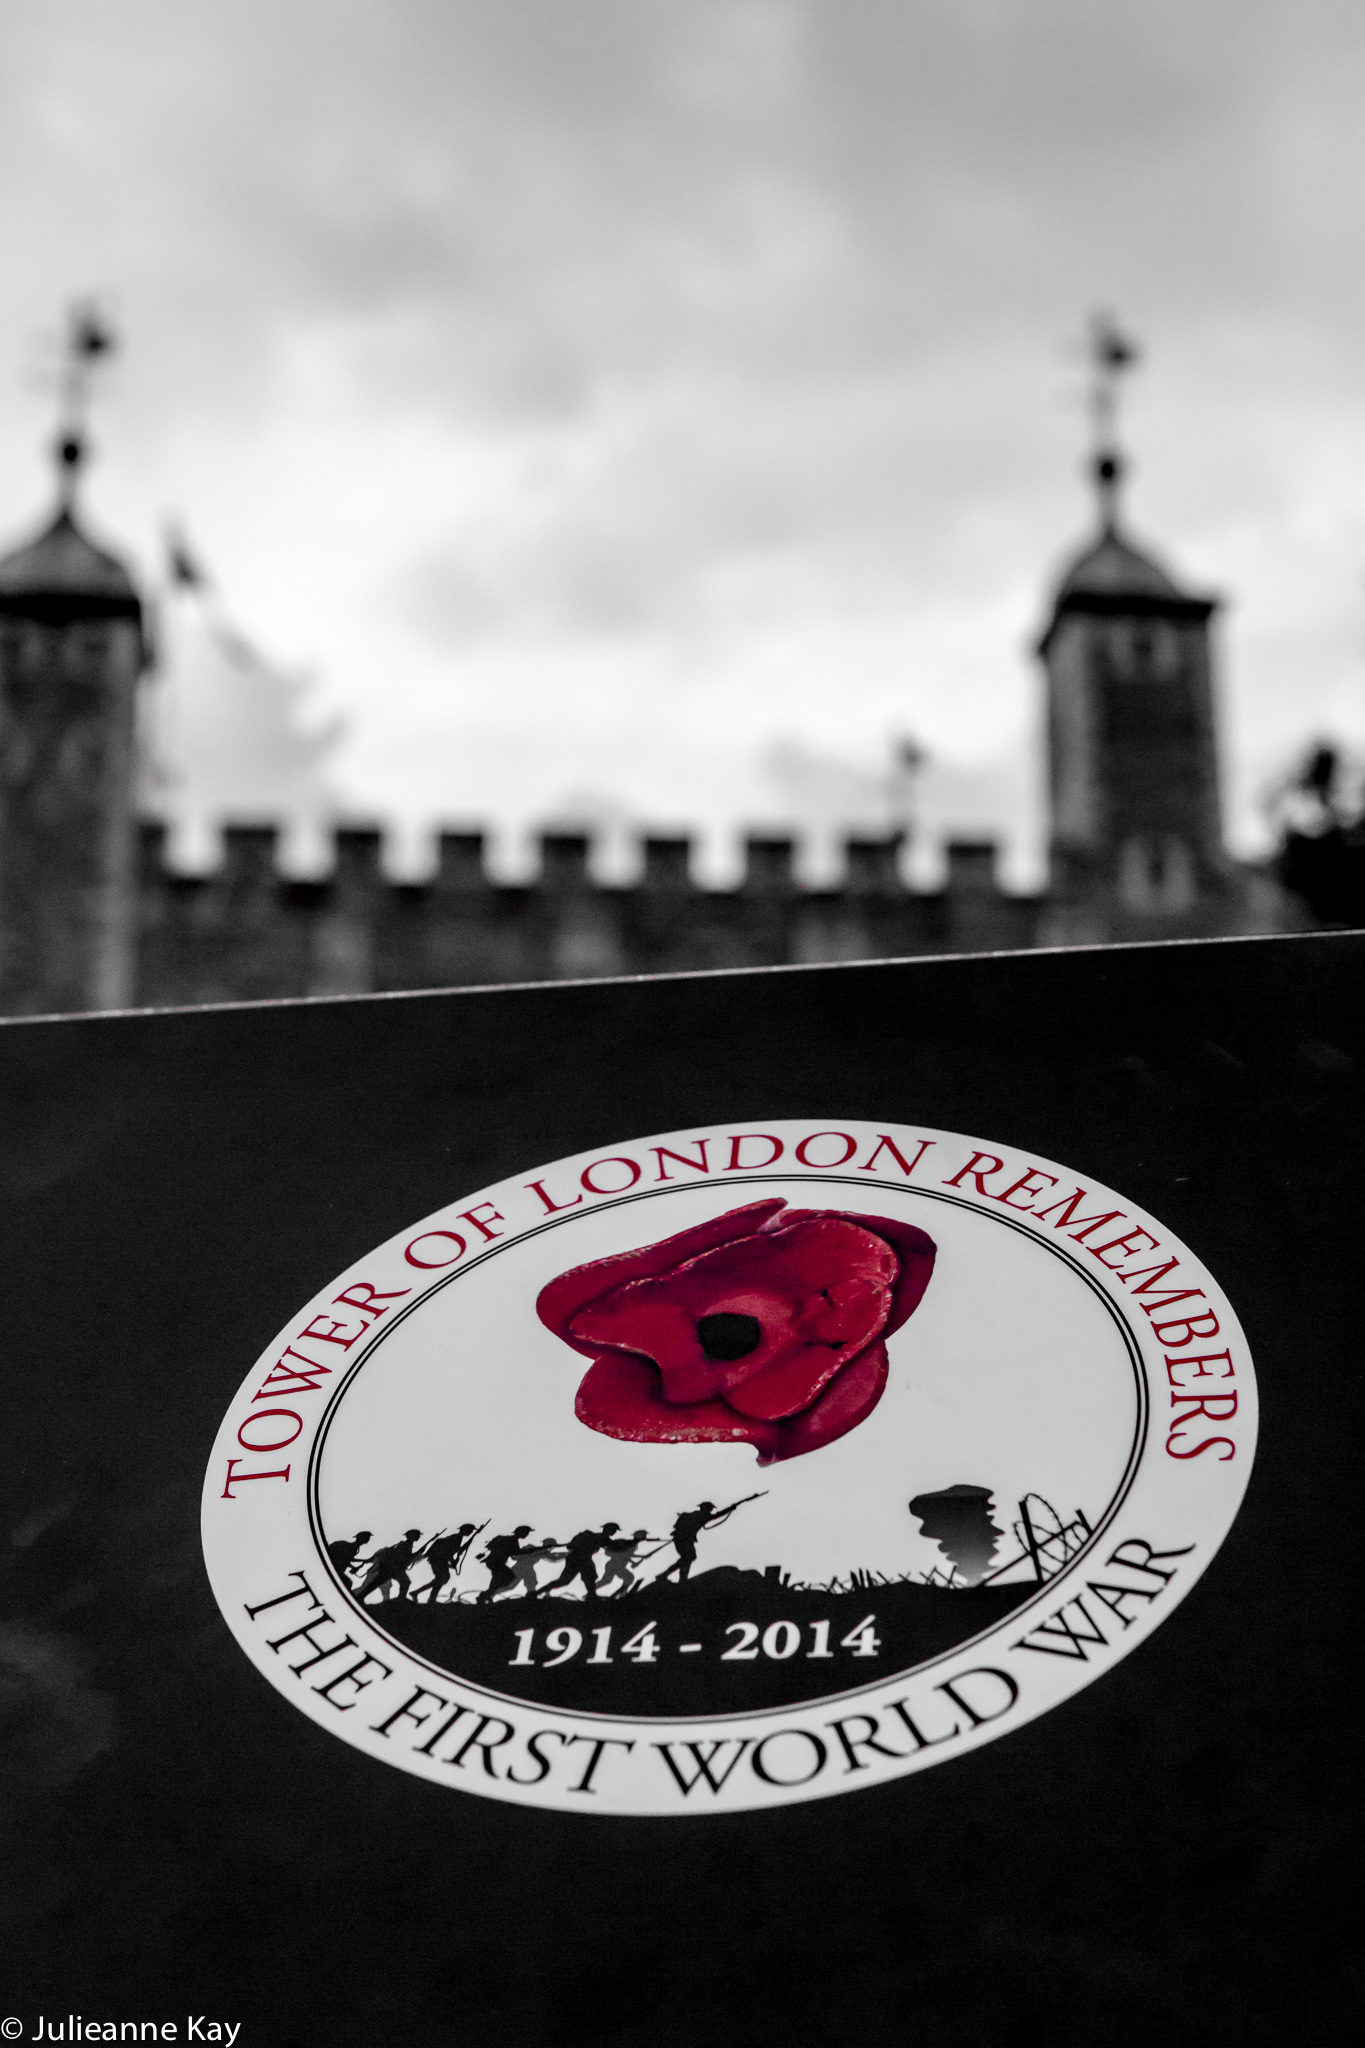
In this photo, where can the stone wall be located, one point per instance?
(246, 932)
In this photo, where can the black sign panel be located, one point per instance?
(899, 1628)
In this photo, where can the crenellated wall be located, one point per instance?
(246, 931)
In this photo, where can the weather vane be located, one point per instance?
(89, 337)
(1111, 353)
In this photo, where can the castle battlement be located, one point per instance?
(247, 929)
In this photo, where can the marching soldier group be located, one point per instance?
(514, 1563)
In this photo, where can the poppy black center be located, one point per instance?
(727, 1336)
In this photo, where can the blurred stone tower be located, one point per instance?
(72, 647)
(1136, 847)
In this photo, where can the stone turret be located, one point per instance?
(1136, 847)
(72, 647)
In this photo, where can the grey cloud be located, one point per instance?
(799, 271)
(550, 194)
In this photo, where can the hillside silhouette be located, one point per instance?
(913, 1622)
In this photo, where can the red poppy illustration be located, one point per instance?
(765, 1326)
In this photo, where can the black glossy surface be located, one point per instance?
(1163, 1858)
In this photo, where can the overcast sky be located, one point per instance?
(647, 409)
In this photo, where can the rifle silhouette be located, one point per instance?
(710, 1522)
(467, 1545)
(721, 1513)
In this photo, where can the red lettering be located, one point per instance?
(1199, 1361)
(236, 1478)
(885, 1144)
(1069, 1207)
(329, 1335)
(1022, 1187)
(662, 1152)
(1168, 1296)
(372, 1295)
(617, 1159)
(551, 1208)
(473, 1216)
(278, 1444)
(850, 1147)
(433, 1265)
(764, 1137)
(1191, 1328)
(1199, 1449)
(1149, 1275)
(1123, 1245)
(996, 1166)
(1217, 1408)
(280, 1380)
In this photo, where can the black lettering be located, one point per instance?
(479, 1738)
(702, 1763)
(280, 1598)
(1113, 1597)
(406, 1710)
(533, 1742)
(853, 1743)
(1067, 1641)
(427, 1747)
(912, 1728)
(1139, 1543)
(305, 1630)
(351, 1674)
(599, 1743)
(819, 1752)
(978, 1720)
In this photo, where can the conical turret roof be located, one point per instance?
(1114, 577)
(63, 561)
(62, 573)
(1113, 567)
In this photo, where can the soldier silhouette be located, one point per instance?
(445, 1555)
(500, 1554)
(579, 1552)
(344, 1550)
(685, 1531)
(623, 1553)
(524, 1564)
(390, 1567)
